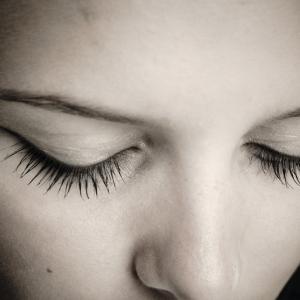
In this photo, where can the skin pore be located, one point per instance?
(179, 93)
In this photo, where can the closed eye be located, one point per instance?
(283, 166)
(45, 170)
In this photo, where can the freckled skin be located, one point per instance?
(197, 222)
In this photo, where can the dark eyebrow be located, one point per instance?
(62, 104)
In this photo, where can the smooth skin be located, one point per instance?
(193, 219)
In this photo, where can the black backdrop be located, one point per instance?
(292, 289)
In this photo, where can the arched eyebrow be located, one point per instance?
(63, 104)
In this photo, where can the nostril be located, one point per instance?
(157, 293)
(166, 295)
(161, 294)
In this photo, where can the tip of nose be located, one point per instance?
(189, 278)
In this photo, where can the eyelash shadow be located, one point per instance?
(53, 171)
(274, 162)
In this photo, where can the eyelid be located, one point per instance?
(83, 157)
(280, 135)
(105, 173)
(28, 144)
(72, 139)
(255, 145)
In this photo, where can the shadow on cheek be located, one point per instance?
(7, 289)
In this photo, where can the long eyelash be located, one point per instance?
(50, 171)
(281, 165)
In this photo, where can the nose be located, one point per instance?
(193, 253)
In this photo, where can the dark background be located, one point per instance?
(292, 289)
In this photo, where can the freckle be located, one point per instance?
(49, 270)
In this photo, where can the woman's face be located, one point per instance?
(183, 117)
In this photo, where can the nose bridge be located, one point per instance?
(198, 254)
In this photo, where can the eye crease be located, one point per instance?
(51, 171)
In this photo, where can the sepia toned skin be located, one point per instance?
(186, 84)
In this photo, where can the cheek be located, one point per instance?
(270, 243)
(62, 248)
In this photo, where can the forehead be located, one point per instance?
(156, 57)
